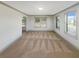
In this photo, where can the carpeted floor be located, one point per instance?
(40, 45)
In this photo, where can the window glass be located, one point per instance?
(23, 21)
(40, 22)
(71, 23)
(58, 22)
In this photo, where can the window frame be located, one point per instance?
(24, 21)
(40, 22)
(66, 23)
(58, 22)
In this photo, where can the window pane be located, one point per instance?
(71, 23)
(40, 22)
(24, 21)
(57, 22)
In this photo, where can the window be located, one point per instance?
(71, 23)
(40, 22)
(58, 22)
(23, 21)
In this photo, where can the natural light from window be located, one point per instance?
(71, 23)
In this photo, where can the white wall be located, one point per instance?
(30, 24)
(73, 40)
(10, 26)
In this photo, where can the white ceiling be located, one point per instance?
(49, 7)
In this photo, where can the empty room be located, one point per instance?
(39, 29)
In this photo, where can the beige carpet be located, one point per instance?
(41, 45)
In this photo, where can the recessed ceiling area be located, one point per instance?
(40, 7)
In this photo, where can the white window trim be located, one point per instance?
(66, 24)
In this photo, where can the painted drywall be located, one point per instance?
(10, 26)
(30, 24)
(73, 40)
